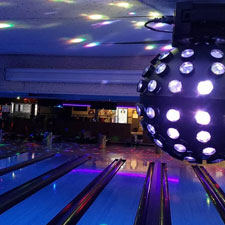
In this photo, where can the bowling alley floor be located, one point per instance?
(118, 202)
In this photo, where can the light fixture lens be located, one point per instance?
(189, 158)
(216, 53)
(140, 85)
(152, 85)
(158, 142)
(175, 86)
(173, 133)
(146, 70)
(173, 115)
(187, 53)
(151, 129)
(150, 112)
(218, 68)
(164, 55)
(180, 148)
(203, 136)
(186, 68)
(205, 87)
(202, 117)
(138, 108)
(160, 68)
(209, 151)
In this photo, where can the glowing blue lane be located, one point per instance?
(189, 203)
(42, 206)
(118, 202)
(18, 177)
(10, 161)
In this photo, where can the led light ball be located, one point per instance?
(184, 102)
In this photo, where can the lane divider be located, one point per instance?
(154, 206)
(26, 163)
(11, 154)
(18, 194)
(212, 188)
(72, 212)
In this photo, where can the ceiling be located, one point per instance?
(80, 27)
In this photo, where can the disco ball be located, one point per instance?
(182, 101)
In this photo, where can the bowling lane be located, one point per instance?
(118, 202)
(42, 206)
(18, 177)
(10, 161)
(189, 203)
(217, 172)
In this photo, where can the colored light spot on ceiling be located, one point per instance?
(121, 4)
(132, 13)
(64, 1)
(5, 4)
(93, 44)
(2, 145)
(158, 25)
(97, 25)
(76, 40)
(6, 25)
(96, 17)
(149, 47)
(48, 25)
(155, 14)
(138, 24)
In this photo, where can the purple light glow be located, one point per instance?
(170, 179)
(99, 171)
(175, 180)
(76, 105)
